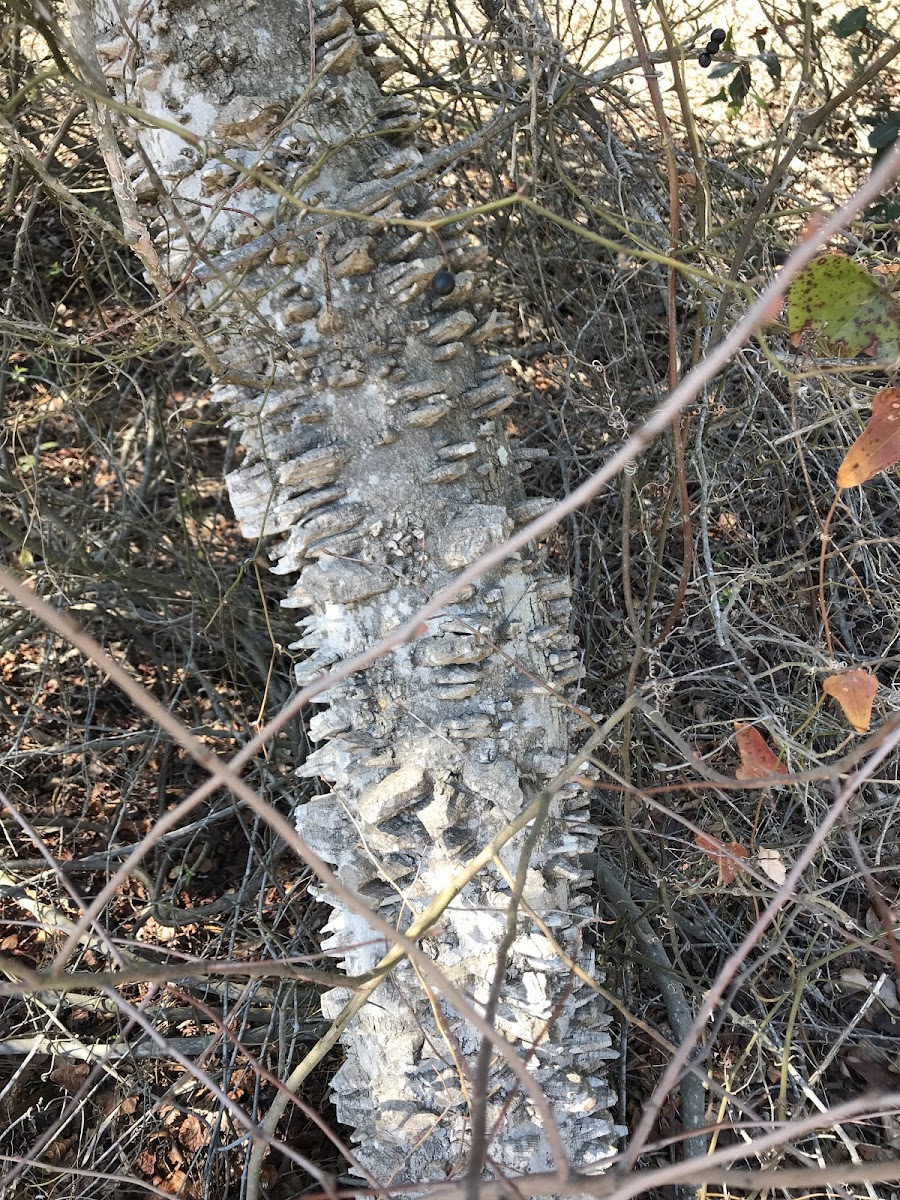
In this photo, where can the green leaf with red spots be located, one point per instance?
(852, 314)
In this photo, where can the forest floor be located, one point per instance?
(715, 592)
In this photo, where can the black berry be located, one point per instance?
(443, 283)
(718, 35)
(712, 49)
(704, 59)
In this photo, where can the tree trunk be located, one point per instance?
(371, 414)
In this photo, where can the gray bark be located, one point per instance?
(370, 410)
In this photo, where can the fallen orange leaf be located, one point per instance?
(854, 691)
(757, 760)
(810, 227)
(878, 446)
(722, 854)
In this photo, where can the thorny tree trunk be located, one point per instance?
(370, 411)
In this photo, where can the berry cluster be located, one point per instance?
(716, 38)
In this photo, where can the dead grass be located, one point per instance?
(813, 1018)
(114, 506)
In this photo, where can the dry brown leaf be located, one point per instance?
(145, 1162)
(70, 1075)
(878, 446)
(810, 227)
(106, 1101)
(58, 1150)
(193, 1133)
(174, 1183)
(855, 693)
(757, 760)
(723, 855)
(854, 980)
(769, 862)
(876, 1074)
